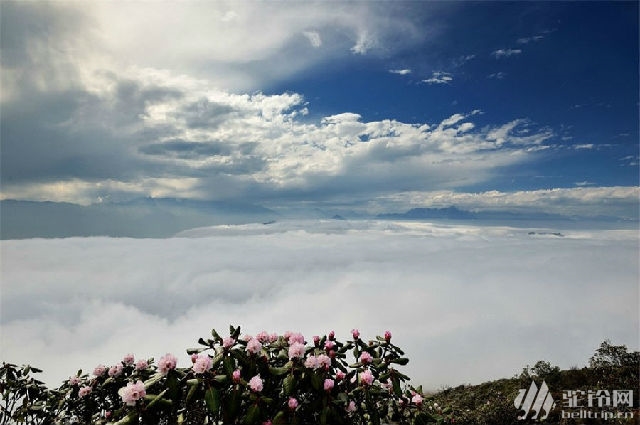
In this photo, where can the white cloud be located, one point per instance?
(172, 135)
(497, 75)
(464, 301)
(439, 77)
(364, 43)
(501, 53)
(587, 146)
(400, 71)
(618, 201)
(314, 38)
(527, 40)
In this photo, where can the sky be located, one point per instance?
(358, 108)
(125, 124)
(467, 303)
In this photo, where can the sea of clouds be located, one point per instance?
(469, 303)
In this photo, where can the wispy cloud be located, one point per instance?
(439, 77)
(314, 38)
(101, 298)
(503, 53)
(400, 71)
(527, 40)
(497, 75)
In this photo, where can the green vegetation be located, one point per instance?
(272, 379)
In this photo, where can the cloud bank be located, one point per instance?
(468, 303)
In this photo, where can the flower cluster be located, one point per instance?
(266, 378)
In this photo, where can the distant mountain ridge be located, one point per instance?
(137, 218)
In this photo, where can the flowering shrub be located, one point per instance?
(240, 379)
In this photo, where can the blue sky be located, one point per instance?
(358, 107)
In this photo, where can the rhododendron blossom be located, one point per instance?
(387, 336)
(351, 407)
(417, 399)
(128, 359)
(340, 375)
(99, 370)
(296, 350)
(236, 375)
(255, 384)
(141, 364)
(324, 361)
(132, 393)
(166, 363)
(254, 346)
(115, 370)
(84, 391)
(328, 345)
(295, 337)
(311, 362)
(365, 358)
(292, 403)
(355, 333)
(74, 380)
(202, 364)
(263, 337)
(366, 377)
(228, 342)
(328, 384)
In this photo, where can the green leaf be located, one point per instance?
(192, 391)
(287, 385)
(220, 378)
(401, 361)
(316, 381)
(215, 335)
(278, 371)
(279, 418)
(252, 415)
(212, 398)
(396, 385)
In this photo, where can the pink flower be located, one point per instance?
(387, 336)
(355, 333)
(293, 403)
(351, 407)
(141, 364)
(296, 350)
(267, 422)
(202, 364)
(99, 370)
(236, 375)
(328, 384)
(340, 375)
(228, 342)
(273, 337)
(295, 337)
(331, 335)
(132, 393)
(365, 358)
(324, 361)
(263, 337)
(128, 359)
(366, 377)
(194, 357)
(316, 340)
(255, 384)
(107, 414)
(166, 363)
(74, 380)
(417, 399)
(84, 391)
(311, 362)
(115, 370)
(328, 345)
(254, 346)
